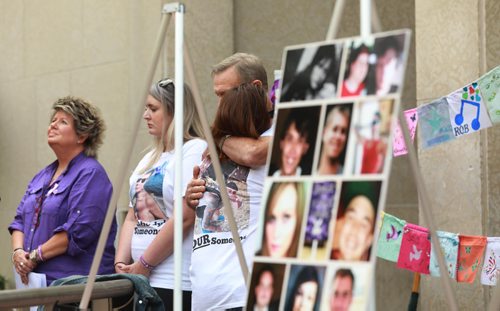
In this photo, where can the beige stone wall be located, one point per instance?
(98, 50)
(461, 176)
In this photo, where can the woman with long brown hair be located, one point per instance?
(216, 279)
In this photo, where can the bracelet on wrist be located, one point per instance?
(15, 251)
(222, 141)
(146, 264)
(33, 256)
(39, 253)
(118, 262)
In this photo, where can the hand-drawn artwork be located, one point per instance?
(372, 129)
(311, 73)
(398, 142)
(491, 268)
(435, 125)
(470, 254)
(467, 111)
(415, 251)
(389, 240)
(318, 220)
(489, 86)
(449, 245)
(304, 287)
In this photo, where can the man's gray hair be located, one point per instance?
(248, 66)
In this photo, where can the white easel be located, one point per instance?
(367, 13)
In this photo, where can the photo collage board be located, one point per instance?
(328, 170)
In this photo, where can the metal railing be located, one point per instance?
(49, 296)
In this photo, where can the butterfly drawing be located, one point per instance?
(491, 268)
(413, 117)
(393, 234)
(415, 254)
(468, 249)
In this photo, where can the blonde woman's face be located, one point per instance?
(281, 222)
(154, 116)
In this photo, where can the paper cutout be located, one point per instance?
(467, 111)
(489, 85)
(399, 145)
(390, 237)
(414, 254)
(491, 268)
(449, 245)
(470, 254)
(435, 126)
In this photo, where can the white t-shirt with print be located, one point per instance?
(216, 277)
(154, 206)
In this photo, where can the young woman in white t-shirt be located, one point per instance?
(147, 236)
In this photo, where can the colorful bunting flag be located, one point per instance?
(491, 268)
(470, 254)
(390, 237)
(467, 112)
(399, 146)
(435, 126)
(414, 254)
(489, 85)
(449, 245)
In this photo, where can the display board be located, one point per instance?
(328, 171)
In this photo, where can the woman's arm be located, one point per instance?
(123, 253)
(162, 246)
(19, 260)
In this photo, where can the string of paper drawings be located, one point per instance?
(467, 110)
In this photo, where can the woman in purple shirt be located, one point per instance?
(59, 220)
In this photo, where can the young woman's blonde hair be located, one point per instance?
(164, 92)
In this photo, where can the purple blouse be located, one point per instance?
(76, 203)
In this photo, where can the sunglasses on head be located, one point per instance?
(165, 82)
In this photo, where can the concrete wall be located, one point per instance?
(100, 50)
(461, 176)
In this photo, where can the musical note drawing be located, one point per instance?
(459, 118)
(415, 254)
(393, 235)
(470, 95)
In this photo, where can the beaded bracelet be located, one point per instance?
(39, 252)
(146, 264)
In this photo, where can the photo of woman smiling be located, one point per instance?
(283, 218)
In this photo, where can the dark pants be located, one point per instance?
(167, 295)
